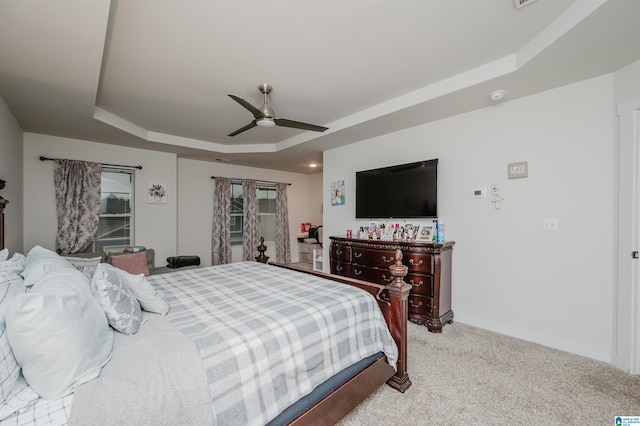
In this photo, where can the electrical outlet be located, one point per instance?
(550, 224)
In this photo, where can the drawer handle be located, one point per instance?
(339, 268)
(413, 305)
(384, 278)
(416, 285)
(387, 260)
(357, 272)
(357, 255)
(420, 262)
(338, 252)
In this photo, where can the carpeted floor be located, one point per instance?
(470, 376)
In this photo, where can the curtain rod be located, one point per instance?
(43, 158)
(257, 181)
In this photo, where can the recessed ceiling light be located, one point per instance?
(312, 165)
(497, 95)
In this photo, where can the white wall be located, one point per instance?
(627, 83)
(155, 224)
(195, 204)
(555, 288)
(11, 171)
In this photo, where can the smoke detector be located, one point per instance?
(522, 3)
(497, 95)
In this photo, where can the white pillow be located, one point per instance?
(4, 254)
(59, 334)
(39, 262)
(151, 299)
(118, 302)
(15, 264)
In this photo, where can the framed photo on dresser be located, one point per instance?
(426, 233)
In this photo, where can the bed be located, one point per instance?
(242, 343)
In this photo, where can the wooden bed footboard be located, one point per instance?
(392, 299)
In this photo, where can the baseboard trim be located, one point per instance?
(538, 338)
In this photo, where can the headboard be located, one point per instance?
(3, 203)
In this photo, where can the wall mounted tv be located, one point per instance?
(402, 191)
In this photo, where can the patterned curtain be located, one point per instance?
(77, 204)
(221, 238)
(249, 219)
(283, 249)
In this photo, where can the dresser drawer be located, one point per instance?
(418, 262)
(340, 253)
(373, 258)
(420, 305)
(420, 284)
(341, 268)
(373, 275)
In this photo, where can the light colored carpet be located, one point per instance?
(470, 376)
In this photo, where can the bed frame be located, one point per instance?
(392, 300)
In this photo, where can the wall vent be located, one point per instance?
(522, 3)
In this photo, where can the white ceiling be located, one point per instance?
(156, 73)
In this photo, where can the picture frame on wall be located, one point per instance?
(426, 233)
(156, 193)
(337, 193)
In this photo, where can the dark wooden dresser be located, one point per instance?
(429, 273)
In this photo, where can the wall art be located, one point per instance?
(156, 193)
(337, 193)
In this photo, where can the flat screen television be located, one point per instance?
(402, 191)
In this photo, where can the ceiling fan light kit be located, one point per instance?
(266, 122)
(266, 117)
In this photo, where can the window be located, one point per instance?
(115, 227)
(266, 212)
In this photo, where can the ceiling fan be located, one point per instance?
(265, 117)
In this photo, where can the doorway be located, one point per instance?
(627, 327)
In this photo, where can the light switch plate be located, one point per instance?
(518, 170)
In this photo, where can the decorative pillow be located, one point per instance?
(15, 264)
(4, 254)
(39, 262)
(133, 263)
(118, 303)
(86, 265)
(59, 334)
(151, 299)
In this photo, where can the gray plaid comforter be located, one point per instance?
(267, 336)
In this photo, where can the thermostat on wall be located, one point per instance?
(479, 193)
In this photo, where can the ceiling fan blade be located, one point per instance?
(243, 129)
(298, 125)
(255, 111)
